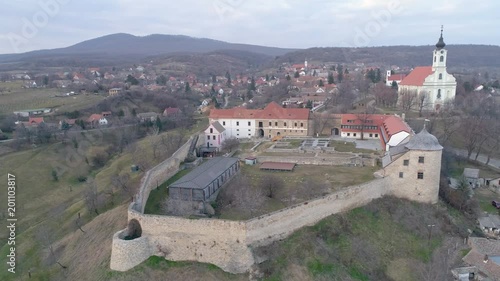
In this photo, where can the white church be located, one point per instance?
(434, 81)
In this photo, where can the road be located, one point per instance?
(495, 163)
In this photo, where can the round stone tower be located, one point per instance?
(415, 169)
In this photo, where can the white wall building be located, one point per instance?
(215, 135)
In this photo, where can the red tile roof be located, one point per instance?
(35, 120)
(417, 76)
(171, 110)
(394, 125)
(271, 111)
(94, 117)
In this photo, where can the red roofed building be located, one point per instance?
(390, 129)
(390, 78)
(433, 81)
(35, 121)
(269, 122)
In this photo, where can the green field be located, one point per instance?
(14, 98)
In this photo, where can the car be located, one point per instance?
(495, 204)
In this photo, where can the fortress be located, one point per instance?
(410, 170)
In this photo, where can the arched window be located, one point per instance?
(441, 59)
(439, 94)
(440, 76)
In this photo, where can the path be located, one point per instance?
(494, 162)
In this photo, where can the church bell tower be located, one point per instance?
(440, 54)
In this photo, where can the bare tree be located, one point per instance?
(122, 182)
(230, 144)
(46, 237)
(472, 131)
(271, 185)
(91, 196)
(422, 102)
(365, 119)
(407, 99)
(384, 96)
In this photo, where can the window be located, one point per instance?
(276, 124)
(237, 130)
(420, 175)
(354, 134)
(406, 162)
(376, 135)
(302, 124)
(421, 159)
(208, 137)
(439, 94)
(348, 134)
(249, 130)
(213, 137)
(441, 59)
(284, 124)
(371, 135)
(295, 124)
(237, 123)
(434, 59)
(223, 123)
(440, 76)
(401, 174)
(249, 123)
(269, 123)
(211, 131)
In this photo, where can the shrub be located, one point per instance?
(134, 230)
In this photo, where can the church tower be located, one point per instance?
(440, 54)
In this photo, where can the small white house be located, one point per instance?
(215, 135)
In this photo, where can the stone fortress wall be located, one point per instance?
(228, 244)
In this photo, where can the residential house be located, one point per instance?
(433, 81)
(472, 177)
(172, 112)
(96, 120)
(114, 91)
(216, 135)
(493, 183)
(35, 121)
(490, 225)
(485, 255)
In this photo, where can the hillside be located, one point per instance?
(385, 240)
(127, 45)
(459, 56)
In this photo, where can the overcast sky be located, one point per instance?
(27, 25)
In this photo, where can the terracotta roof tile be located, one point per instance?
(417, 76)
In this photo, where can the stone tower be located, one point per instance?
(414, 169)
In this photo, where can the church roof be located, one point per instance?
(417, 76)
(424, 141)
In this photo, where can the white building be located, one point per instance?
(390, 78)
(433, 81)
(215, 135)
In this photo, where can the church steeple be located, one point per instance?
(440, 44)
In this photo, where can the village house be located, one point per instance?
(433, 81)
(96, 120)
(172, 112)
(215, 135)
(472, 177)
(485, 256)
(114, 91)
(67, 122)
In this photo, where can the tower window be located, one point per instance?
(224, 123)
(441, 59)
(421, 159)
(406, 162)
(237, 123)
(401, 174)
(439, 94)
(249, 123)
(420, 175)
(440, 76)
